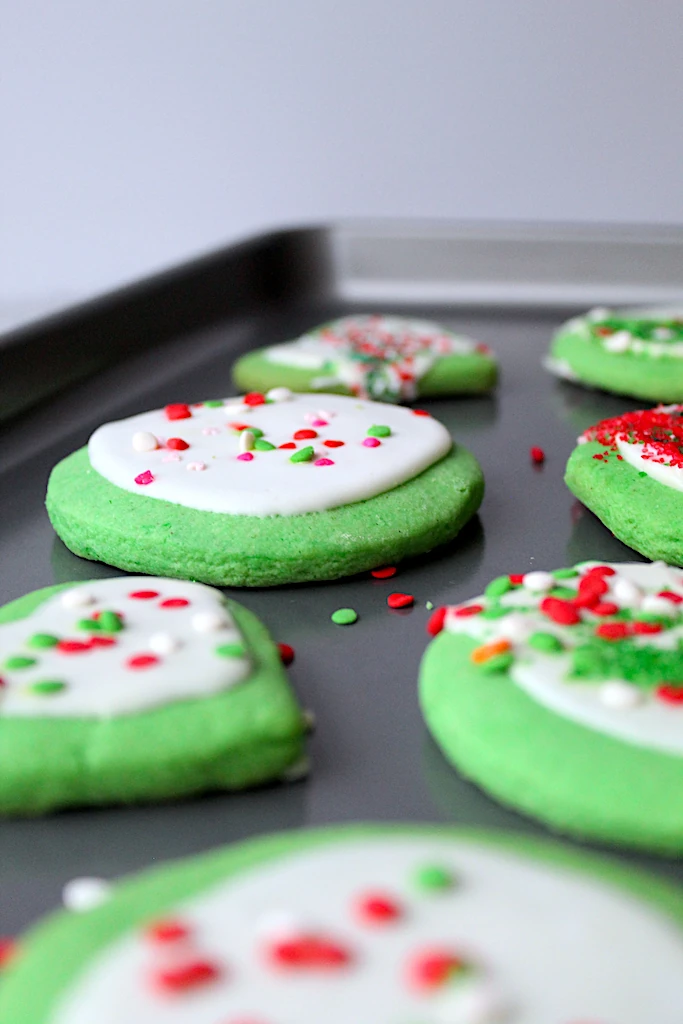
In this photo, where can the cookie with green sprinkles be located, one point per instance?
(138, 689)
(637, 352)
(362, 923)
(264, 489)
(386, 358)
(567, 704)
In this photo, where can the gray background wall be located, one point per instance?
(135, 134)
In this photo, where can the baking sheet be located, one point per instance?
(372, 757)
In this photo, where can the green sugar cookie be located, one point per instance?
(631, 352)
(179, 493)
(186, 694)
(569, 710)
(386, 358)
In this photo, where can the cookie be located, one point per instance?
(636, 352)
(382, 924)
(264, 490)
(134, 689)
(561, 694)
(629, 471)
(386, 358)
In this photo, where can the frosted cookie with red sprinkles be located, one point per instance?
(386, 358)
(363, 925)
(561, 694)
(636, 352)
(628, 470)
(134, 689)
(264, 489)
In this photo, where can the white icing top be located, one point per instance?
(96, 672)
(374, 356)
(658, 343)
(670, 476)
(630, 712)
(546, 946)
(225, 476)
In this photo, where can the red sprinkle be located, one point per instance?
(102, 641)
(375, 908)
(286, 654)
(143, 595)
(186, 976)
(436, 621)
(254, 398)
(643, 628)
(670, 596)
(605, 608)
(304, 435)
(239, 426)
(142, 661)
(8, 950)
(421, 412)
(400, 600)
(516, 578)
(167, 931)
(72, 646)
(612, 630)
(670, 693)
(537, 455)
(560, 611)
(309, 951)
(144, 478)
(289, 444)
(177, 411)
(591, 589)
(433, 969)
(384, 574)
(469, 609)
(177, 444)
(600, 570)
(333, 444)
(174, 602)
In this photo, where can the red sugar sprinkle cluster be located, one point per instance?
(661, 432)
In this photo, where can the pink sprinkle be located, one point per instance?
(319, 423)
(324, 462)
(325, 415)
(309, 416)
(197, 466)
(245, 457)
(172, 457)
(372, 442)
(144, 478)
(211, 431)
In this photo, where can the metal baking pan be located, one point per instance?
(174, 338)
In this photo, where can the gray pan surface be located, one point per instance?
(372, 757)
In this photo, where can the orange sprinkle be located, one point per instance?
(481, 654)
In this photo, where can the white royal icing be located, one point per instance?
(99, 682)
(269, 483)
(670, 476)
(638, 717)
(548, 946)
(406, 349)
(623, 341)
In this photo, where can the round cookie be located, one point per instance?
(384, 924)
(264, 490)
(386, 358)
(136, 688)
(628, 470)
(561, 694)
(636, 352)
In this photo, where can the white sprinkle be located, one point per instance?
(235, 408)
(599, 313)
(620, 695)
(79, 597)
(196, 466)
(325, 414)
(618, 342)
(211, 431)
(662, 333)
(209, 622)
(82, 894)
(172, 457)
(310, 416)
(163, 643)
(658, 605)
(279, 394)
(538, 582)
(143, 441)
(247, 440)
(626, 593)
(515, 627)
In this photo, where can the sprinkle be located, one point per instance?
(323, 462)
(344, 616)
(177, 444)
(72, 647)
(371, 442)
(172, 457)
(211, 431)
(143, 441)
(180, 978)
(658, 605)
(376, 908)
(627, 593)
(399, 600)
(565, 574)
(263, 446)
(102, 641)
(670, 596)
(303, 455)
(163, 643)
(286, 653)
(209, 622)
(537, 455)
(309, 951)
(196, 467)
(548, 643)
(174, 602)
(498, 587)
(230, 651)
(487, 651)
(142, 661)
(378, 430)
(434, 969)
(435, 623)
(516, 578)
(620, 695)
(326, 414)
(605, 608)
(254, 398)
(612, 630)
(177, 411)
(384, 574)
(89, 624)
(247, 440)
(214, 403)
(305, 435)
(434, 878)
(144, 478)
(245, 457)
(46, 687)
(643, 628)
(560, 611)
(670, 693)
(288, 444)
(110, 622)
(319, 423)
(143, 595)
(20, 661)
(333, 444)
(76, 598)
(278, 395)
(167, 932)
(468, 609)
(83, 894)
(8, 950)
(43, 640)
(420, 412)
(538, 582)
(238, 426)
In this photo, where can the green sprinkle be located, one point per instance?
(48, 686)
(565, 593)
(20, 661)
(495, 611)
(263, 446)
(546, 642)
(642, 473)
(498, 663)
(214, 403)
(256, 431)
(429, 606)
(42, 640)
(434, 878)
(110, 622)
(230, 651)
(565, 574)
(498, 587)
(303, 455)
(379, 430)
(90, 624)
(344, 616)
